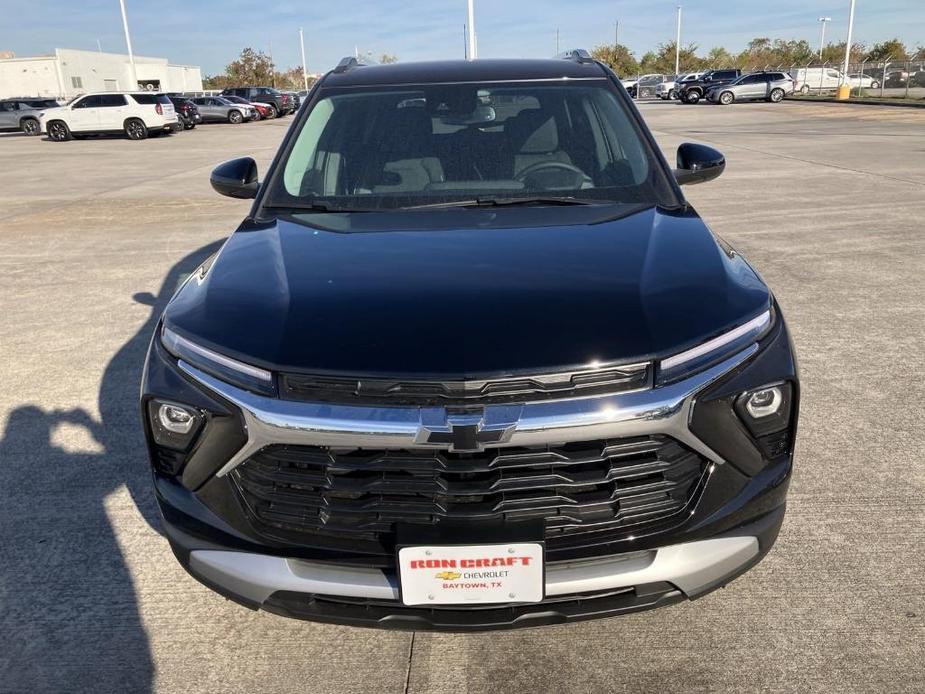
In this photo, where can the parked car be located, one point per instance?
(263, 110)
(817, 79)
(669, 88)
(918, 78)
(767, 86)
(896, 79)
(281, 104)
(859, 80)
(23, 114)
(137, 114)
(463, 367)
(217, 109)
(187, 111)
(633, 86)
(694, 90)
(296, 99)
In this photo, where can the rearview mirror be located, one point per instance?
(236, 178)
(698, 164)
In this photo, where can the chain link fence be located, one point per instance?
(887, 79)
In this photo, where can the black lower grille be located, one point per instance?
(302, 494)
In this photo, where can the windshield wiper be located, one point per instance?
(312, 206)
(508, 202)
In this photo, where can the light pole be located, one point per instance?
(848, 42)
(677, 45)
(304, 65)
(616, 34)
(128, 44)
(823, 21)
(473, 46)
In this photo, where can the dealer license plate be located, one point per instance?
(462, 575)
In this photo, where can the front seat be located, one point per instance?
(535, 139)
(408, 164)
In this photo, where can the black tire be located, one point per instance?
(135, 129)
(235, 117)
(804, 90)
(776, 96)
(726, 98)
(189, 126)
(273, 112)
(692, 97)
(30, 127)
(58, 131)
(672, 94)
(875, 85)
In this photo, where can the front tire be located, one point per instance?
(777, 95)
(672, 94)
(58, 131)
(135, 129)
(693, 97)
(272, 112)
(235, 117)
(30, 126)
(804, 90)
(875, 85)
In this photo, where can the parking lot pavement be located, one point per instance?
(825, 200)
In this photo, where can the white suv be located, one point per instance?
(137, 114)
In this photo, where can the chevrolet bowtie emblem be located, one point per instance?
(468, 431)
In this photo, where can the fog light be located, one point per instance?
(764, 403)
(173, 425)
(175, 418)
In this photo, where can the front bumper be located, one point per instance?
(730, 525)
(575, 591)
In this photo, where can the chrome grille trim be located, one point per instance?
(664, 410)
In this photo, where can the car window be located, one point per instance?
(92, 101)
(146, 99)
(111, 100)
(386, 148)
(7, 106)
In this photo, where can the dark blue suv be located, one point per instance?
(470, 362)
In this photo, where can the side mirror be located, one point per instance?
(698, 164)
(236, 178)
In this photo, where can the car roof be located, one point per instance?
(438, 71)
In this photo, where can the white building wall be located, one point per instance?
(29, 77)
(70, 72)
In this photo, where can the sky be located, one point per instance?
(211, 33)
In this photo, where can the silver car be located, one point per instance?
(768, 86)
(215, 109)
(23, 114)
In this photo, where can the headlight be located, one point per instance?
(230, 370)
(713, 351)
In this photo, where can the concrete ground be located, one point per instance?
(827, 201)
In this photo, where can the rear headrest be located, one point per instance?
(534, 132)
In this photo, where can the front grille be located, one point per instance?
(529, 388)
(305, 494)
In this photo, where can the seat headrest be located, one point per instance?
(534, 132)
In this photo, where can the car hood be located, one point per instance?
(465, 301)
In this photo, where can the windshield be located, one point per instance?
(400, 147)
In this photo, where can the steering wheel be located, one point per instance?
(579, 177)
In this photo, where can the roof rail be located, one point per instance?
(578, 55)
(348, 64)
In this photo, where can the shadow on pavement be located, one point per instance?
(69, 615)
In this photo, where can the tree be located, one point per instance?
(388, 59)
(834, 53)
(894, 49)
(618, 57)
(663, 59)
(251, 67)
(719, 57)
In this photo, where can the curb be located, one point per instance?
(919, 103)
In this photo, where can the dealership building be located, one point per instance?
(69, 72)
